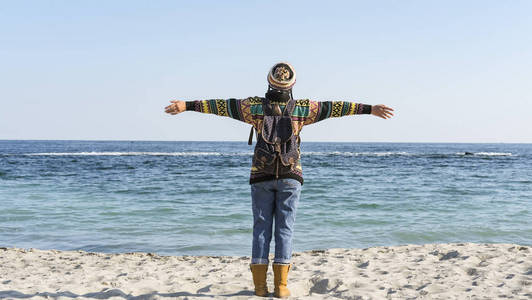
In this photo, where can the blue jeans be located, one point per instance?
(274, 199)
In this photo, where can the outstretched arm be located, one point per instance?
(321, 110)
(232, 108)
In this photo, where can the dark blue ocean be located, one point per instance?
(193, 198)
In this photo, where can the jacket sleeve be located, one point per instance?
(238, 109)
(321, 110)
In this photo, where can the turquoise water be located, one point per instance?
(194, 198)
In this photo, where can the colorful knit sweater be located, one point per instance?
(306, 112)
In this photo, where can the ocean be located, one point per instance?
(193, 198)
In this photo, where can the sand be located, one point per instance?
(433, 271)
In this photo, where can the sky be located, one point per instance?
(454, 71)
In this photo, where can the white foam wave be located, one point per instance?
(495, 153)
(125, 153)
(208, 153)
(486, 153)
(358, 153)
(197, 153)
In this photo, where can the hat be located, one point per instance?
(282, 76)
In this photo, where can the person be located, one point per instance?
(276, 174)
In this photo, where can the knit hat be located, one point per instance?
(282, 76)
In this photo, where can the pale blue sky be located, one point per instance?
(455, 71)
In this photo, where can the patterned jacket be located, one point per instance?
(306, 112)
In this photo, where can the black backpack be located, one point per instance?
(277, 149)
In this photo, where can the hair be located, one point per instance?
(279, 95)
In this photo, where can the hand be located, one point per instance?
(176, 107)
(382, 111)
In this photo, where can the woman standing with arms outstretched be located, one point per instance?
(276, 174)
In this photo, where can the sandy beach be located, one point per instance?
(432, 271)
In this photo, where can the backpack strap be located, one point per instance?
(267, 107)
(289, 108)
(250, 140)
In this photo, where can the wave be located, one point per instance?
(332, 153)
(128, 154)
(325, 153)
(402, 153)
(338, 153)
(486, 153)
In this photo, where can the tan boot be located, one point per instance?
(280, 279)
(259, 279)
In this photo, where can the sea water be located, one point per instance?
(193, 198)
